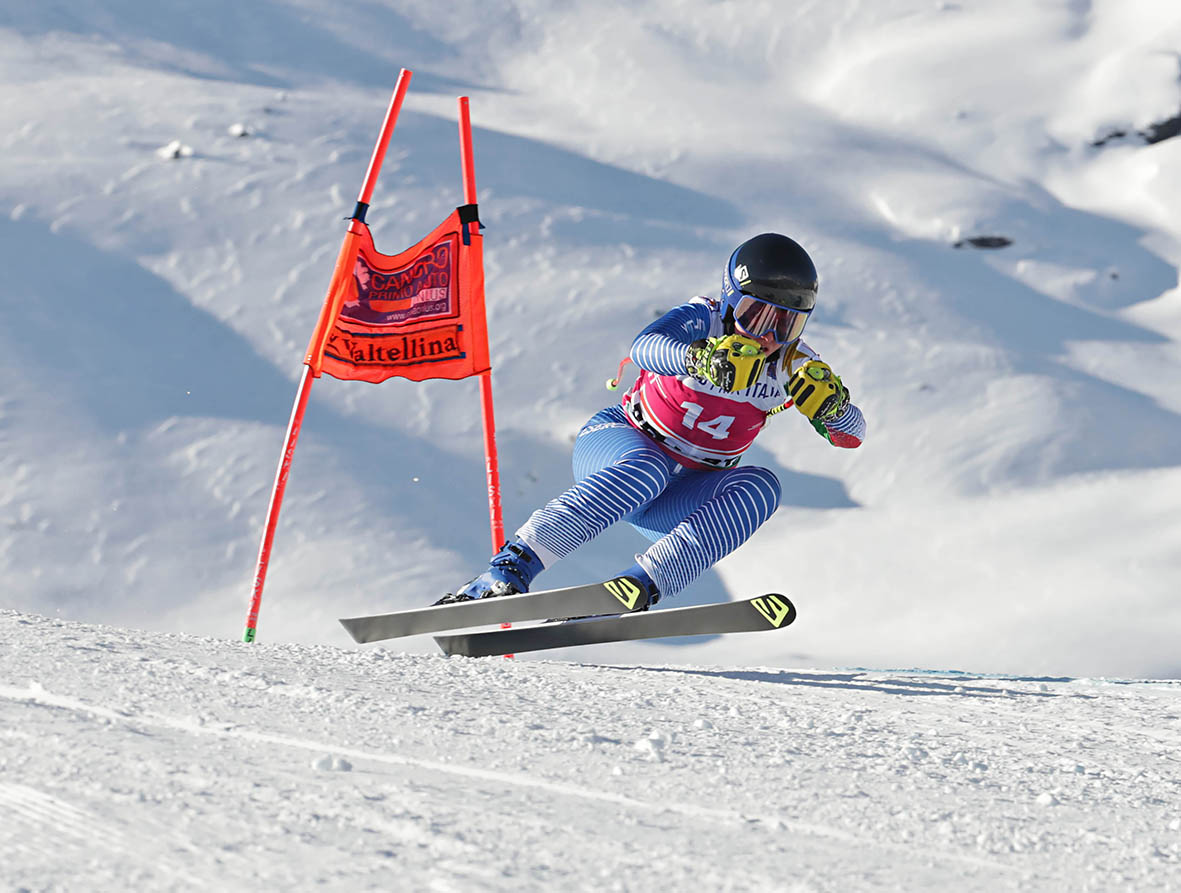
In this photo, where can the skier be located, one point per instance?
(666, 458)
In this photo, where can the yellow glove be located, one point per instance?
(818, 392)
(731, 362)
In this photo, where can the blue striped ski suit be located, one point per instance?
(693, 517)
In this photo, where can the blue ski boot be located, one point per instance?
(651, 593)
(510, 572)
(638, 573)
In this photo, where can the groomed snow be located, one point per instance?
(171, 762)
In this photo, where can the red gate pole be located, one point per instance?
(272, 521)
(323, 326)
(491, 461)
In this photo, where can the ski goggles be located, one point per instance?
(758, 318)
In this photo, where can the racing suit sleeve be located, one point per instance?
(846, 430)
(661, 346)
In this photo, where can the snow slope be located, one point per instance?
(1014, 510)
(171, 762)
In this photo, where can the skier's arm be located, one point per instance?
(846, 430)
(662, 346)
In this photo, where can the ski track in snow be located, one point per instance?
(181, 761)
(49, 829)
(36, 695)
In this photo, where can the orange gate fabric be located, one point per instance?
(416, 315)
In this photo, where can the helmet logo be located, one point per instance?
(741, 274)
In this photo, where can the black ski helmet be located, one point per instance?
(772, 268)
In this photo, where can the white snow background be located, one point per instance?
(173, 178)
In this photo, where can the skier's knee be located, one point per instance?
(762, 483)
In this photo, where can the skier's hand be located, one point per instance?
(818, 392)
(731, 362)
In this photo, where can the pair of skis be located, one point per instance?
(619, 598)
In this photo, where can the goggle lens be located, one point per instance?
(758, 318)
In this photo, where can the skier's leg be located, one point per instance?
(700, 518)
(618, 470)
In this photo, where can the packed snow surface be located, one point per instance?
(171, 762)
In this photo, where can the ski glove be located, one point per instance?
(818, 392)
(731, 362)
